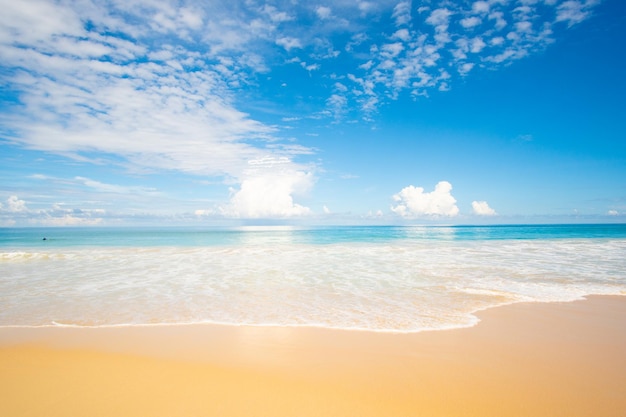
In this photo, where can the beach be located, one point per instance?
(525, 359)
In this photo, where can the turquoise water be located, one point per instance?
(186, 237)
(400, 279)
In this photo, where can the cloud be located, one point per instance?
(289, 43)
(402, 13)
(276, 15)
(148, 86)
(15, 205)
(481, 208)
(414, 202)
(613, 213)
(420, 53)
(17, 212)
(69, 220)
(480, 7)
(268, 191)
(83, 90)
(323, 12)
(160, 86)
(574, 12)
(465, 68)
(470, 22)
(205, 53)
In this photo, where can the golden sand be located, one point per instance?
(521, 360)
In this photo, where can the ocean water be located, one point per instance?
(400, 279)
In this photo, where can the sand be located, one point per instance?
(559, 359)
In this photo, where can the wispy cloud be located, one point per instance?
(16, 211)
(83, 91)
(575, 11)
(161, 86)
(149, 86)
(426, 42)
(181, 63)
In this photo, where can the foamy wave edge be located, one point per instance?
(472, 322)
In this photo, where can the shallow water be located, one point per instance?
(376, 278)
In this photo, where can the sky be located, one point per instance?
(160, 112)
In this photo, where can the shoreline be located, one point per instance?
(476, 314)
(540, 359)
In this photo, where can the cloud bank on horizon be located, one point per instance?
(161, 87)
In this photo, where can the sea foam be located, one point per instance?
(400, 285)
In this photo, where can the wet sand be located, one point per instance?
(560, 359)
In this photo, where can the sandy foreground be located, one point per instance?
(564, 359)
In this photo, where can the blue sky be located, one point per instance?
(343, 112)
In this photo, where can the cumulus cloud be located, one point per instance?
(481, 208)
(15, 205)
(613, 213)
(268, 191)
(414, 202)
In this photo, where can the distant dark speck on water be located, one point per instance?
(45, 238)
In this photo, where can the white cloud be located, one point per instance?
(366, 6)
(439, 18)
(391, 50)
(337, 104)
(16, 212)
(323, 12)
(275, 15)
(123, 99)
(154, 86)
(477, 45)
(119, 190)
(229, 43)
(268, 190)
(613, 213)
(480, 7)
(420, 51)
(481, 208)
(69, 220)
(524, 26)
(414, 202)
(465, 68)
(289, 43)
(499, 18)
(402, 34)
(268, 196)
(15, 205)
(574, 11)
(402, 13)
(470, 22)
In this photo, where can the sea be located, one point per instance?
(382, 278)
